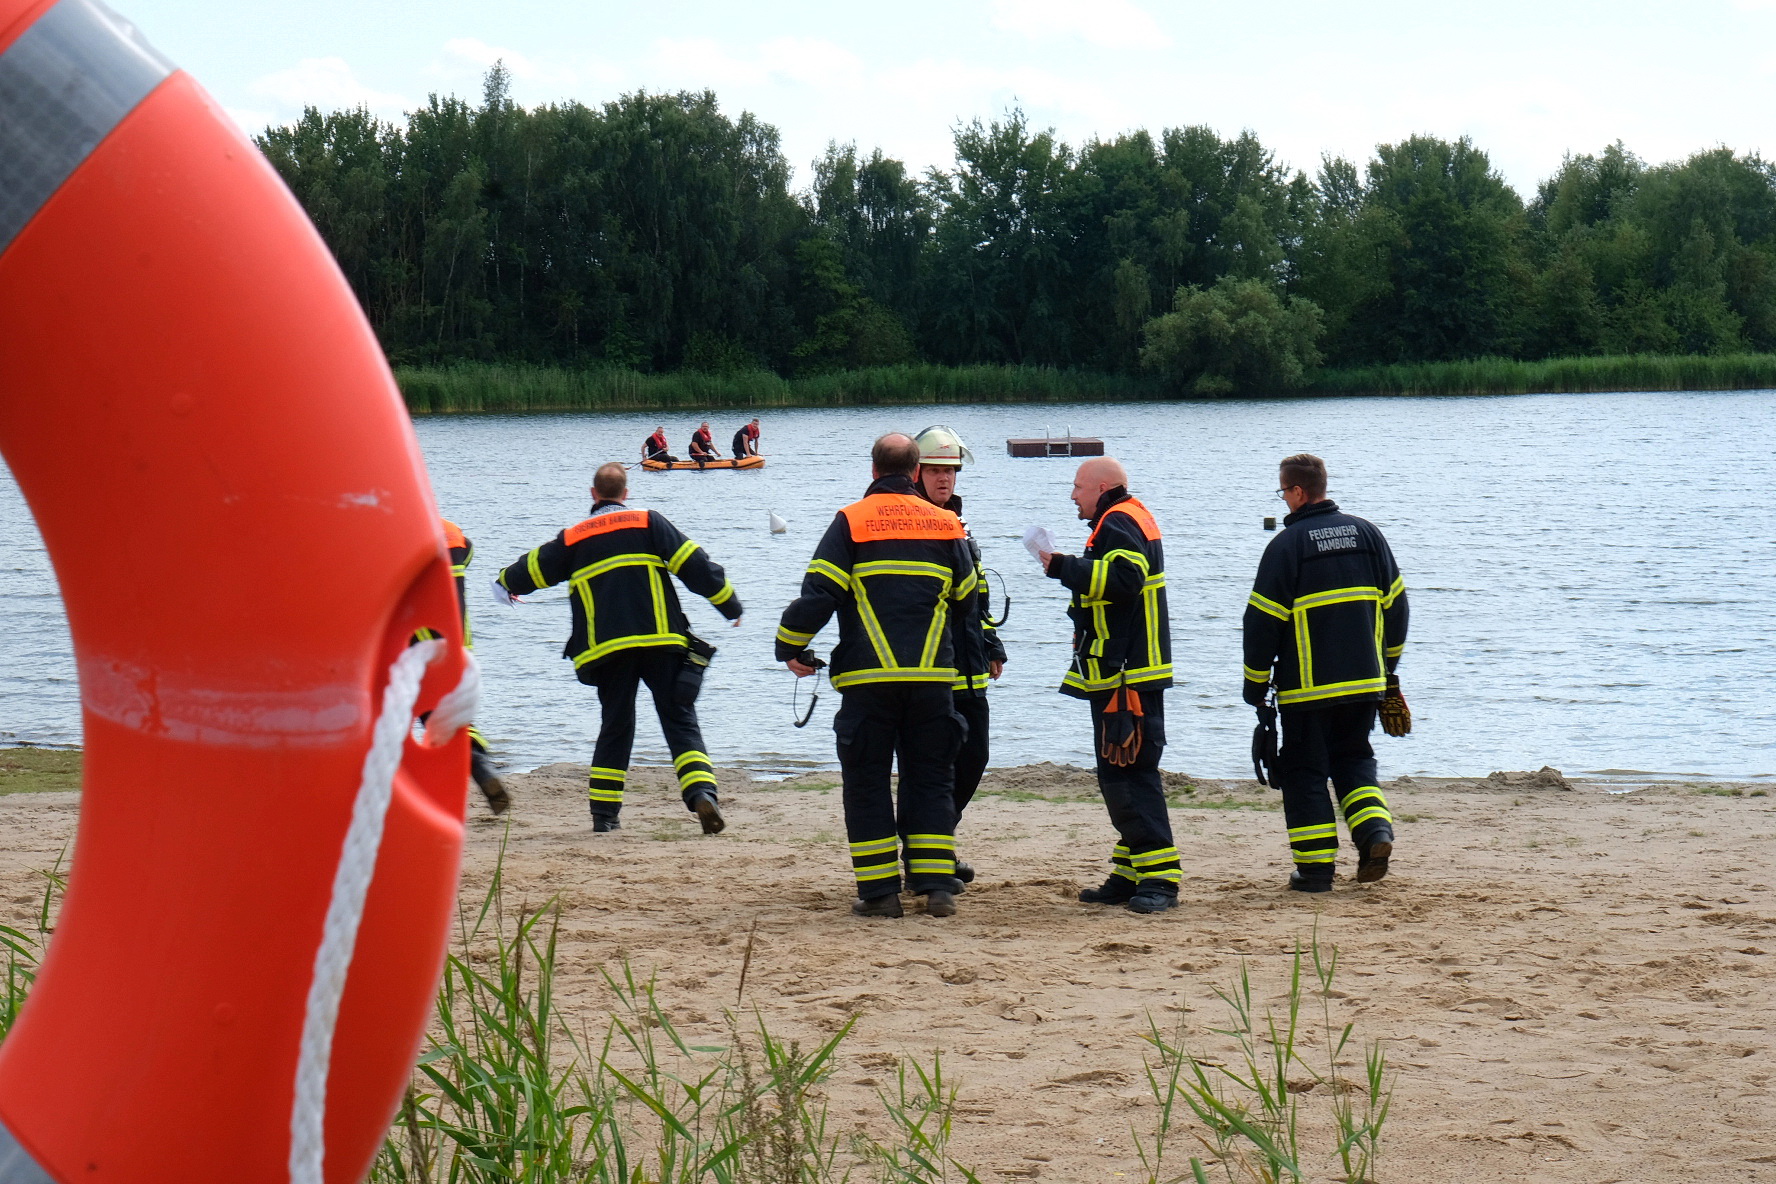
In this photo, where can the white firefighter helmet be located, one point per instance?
(939, 445)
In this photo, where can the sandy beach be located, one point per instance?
(1573, 984)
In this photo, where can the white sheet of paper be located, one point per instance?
(1038, 539)
(500, 594)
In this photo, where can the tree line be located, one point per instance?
(657, 233)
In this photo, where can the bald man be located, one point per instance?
(1122, 659)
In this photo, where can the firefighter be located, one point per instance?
(1122, 664)
(703, 445)
(980, 657)
(1325, 626)
(462, 553)
(893, 567)
(746, 440)
(628, 629)
(654, 448)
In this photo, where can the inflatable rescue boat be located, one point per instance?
(744, 462)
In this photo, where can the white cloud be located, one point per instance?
(327, 83)
(810, 61)
(1113, 24)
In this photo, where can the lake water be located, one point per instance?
(1591, 576)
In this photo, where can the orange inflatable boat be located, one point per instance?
(726, 462)
(246, 541)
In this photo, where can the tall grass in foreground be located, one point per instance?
(1252, 1109)
(510, 1091)
(490, 387)
(1506, 376)
(24, 949)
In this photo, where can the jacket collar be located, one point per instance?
(601, 506)
(1116, 493)
(1327, 506)
(892, 483)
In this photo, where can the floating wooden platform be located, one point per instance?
(691, 466)
(1056, 446)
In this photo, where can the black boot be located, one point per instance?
(708, 813)
(492, 788)
(965, 872)
(1115, 890)
(604, 822)
(878, 906)
(1372, 856)
(939, 903)
(1301, 883)
(1152, 900)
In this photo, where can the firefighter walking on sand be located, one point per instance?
(1122, 664)
(1325, 625)
(628, 629)
(487, 779)
(893, 567)
(980, 656)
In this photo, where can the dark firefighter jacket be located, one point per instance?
(977, 641)
(654, 447)
(616, 563)
(702, 441)
(1122, 630)
(1326, 620)
(462, 553)
(891, 566)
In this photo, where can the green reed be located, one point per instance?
(478, 387)
(1507, 376)
(1250, 1110)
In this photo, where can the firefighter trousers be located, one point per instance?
(619, 677)
(971, 760)
(919, 722)
(1329, 744)
(1145, 852)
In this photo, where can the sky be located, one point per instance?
(1528, 82)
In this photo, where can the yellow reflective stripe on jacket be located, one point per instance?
(681, 556)
(536, 571)
(901, 567)
(1109, 682)
(872, 627)
(1393, 651)
(1336, 596)
(972, 682)
(791, 637)
(833, 572)
(724, 594)
(1266, 605)
(967, 586)
(1332, 690)
(632, 559)
(635, 641)
(938, 674)
(1256, 675)
(1394, 593)
(934, 635)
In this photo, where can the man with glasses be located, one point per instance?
(1325, 625)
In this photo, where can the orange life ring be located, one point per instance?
(245, 540)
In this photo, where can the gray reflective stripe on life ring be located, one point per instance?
(16, 1164)
(64, 84)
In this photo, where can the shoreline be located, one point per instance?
(43, 768)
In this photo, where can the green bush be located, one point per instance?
(1238, 337)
